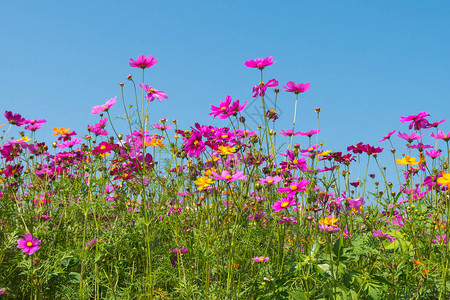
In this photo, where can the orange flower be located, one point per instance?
(407, 161)
(417, 262)
(444, 180)
(61, 130)
(155, 142)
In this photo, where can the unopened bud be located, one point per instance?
(317, 109)
(121, 84)
(129, 77)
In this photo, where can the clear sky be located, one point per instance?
(368, 62)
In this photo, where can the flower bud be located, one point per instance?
(121, 84)
(163, 120)
(242, 119)
(129, 77)
(277, 91)
(317, 109)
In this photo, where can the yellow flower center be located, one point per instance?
(284, 204)
(152, 90)
(227, 176)
(29, 244)
(261, 259)
(295, 162)
(102, 147)
(269, 181)
(293, 187)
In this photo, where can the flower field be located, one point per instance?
(206, 212)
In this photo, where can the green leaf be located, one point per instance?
(298, 295)
(73, 278)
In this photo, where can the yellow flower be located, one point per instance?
(209, 172)
(444, 180)
(203, 182)
(324, 153)
(24, 139)
(329, 221)
(225, 150)
(407, 161)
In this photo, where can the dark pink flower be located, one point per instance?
(260, 89)
(259, 63)
(283, 204)
(379, 233)
(310, 133)
(29, 245)
(143, 62)
(153, 93)
(291, 87)
(14, 119)
(433, 153)
(386, 137)
(226, 108)
(289, 132)
(418, 121)
(294, 188)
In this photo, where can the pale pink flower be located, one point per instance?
(105, 107)
(291, 87)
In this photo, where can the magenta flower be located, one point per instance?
(409, 137)
(105, 107)
(289, 132)
(310, 133)
(98, 128)
(418, 121)
(162, 127)
(226, 108)
(441, 136)
(175, 250)
(260, 89)
(2, 291)
(379, 233)
(283, 204)
(436, 124)
(260, 259)
(143, 62)
(227, 177)
(259, 63)
(32, 122)
(386, 137)
(440, 239)
(294, 188)
(14, 119)
(291, 87)
(153, 93)
(29, 245)
(270, 180)
(70, 143)
(420, 146)
(355, 203)
(433, 153)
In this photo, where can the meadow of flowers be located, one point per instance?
(161, 212)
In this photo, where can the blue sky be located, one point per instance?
(369, 62)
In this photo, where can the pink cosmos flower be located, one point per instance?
(71, 143)
(14, 119)
(226, 108)
(260, 259)
(259, 63)
(440, 239)
(260, 89)
(418, 121)
(294, 188)
(386, 137)
(291, 87)
(270, 180)
(2, 291)
(162, 127)
(355, 203)
(289, 132)
(29, 245)
(143, 62)
(98, 128)
(433, 153)
(409, 137)
(309, 133)
(153, 93)
(103, 148)
(283, 204)
(379, 233)
(420, 146)
(436, 124)
(441, 136)
(227, 177)
(175, 250)
(105, 107)
(33, 127)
